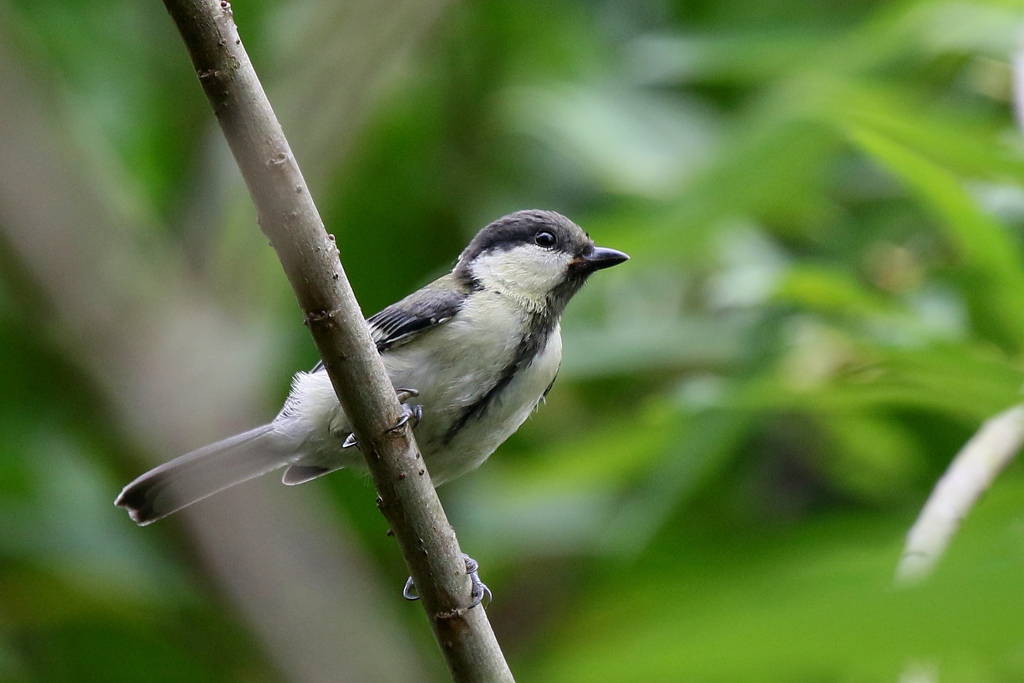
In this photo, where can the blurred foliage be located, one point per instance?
(824, 202)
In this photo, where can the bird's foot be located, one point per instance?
(477, 594)
(414, 413)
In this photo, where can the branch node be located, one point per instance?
(325, 318)
(451, 614)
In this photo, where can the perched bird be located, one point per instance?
(473, 353)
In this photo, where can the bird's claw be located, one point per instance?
(477, 594)
(414, 413)
(409, 592)
(480, 589)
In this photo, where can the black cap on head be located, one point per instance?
(526, 227)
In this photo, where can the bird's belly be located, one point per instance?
(445, 393)
(450, 455)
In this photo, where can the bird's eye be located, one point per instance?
(545, 239)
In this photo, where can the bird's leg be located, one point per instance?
(415, 413)
(477, 594)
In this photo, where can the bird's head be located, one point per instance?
(540, 258)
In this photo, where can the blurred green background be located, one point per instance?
(824, 205)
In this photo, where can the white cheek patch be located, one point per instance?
(526, 272)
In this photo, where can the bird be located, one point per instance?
(471, 354)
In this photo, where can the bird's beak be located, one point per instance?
(596, 258)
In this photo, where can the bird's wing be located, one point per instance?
(422, 310)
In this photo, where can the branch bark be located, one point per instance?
(289, 218)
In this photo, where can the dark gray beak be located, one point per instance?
(596, 258)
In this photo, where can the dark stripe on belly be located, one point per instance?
(540, 327)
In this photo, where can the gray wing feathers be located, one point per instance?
(203, 472)
(401, 322)
(429, 307)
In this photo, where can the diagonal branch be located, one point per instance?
(176, 366)
(291, 221)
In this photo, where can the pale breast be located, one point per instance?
(480, 436)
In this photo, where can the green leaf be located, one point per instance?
(983, 244)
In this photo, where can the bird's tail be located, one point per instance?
(204, 472)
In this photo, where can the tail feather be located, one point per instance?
(203, 472)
